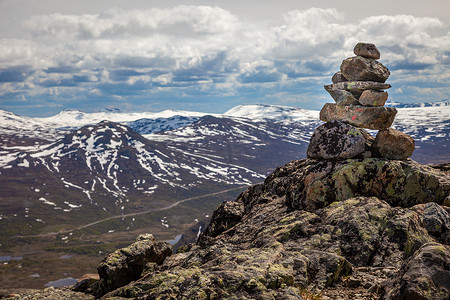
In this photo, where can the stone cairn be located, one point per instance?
(358, 90)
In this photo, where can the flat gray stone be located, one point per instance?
(338, 140)
(377, 118)
(364, 69)
(357, 87)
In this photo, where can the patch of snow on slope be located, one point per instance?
(75, 118)
(434, 120)
(274, 112)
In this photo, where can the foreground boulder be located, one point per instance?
(126, 264)
(337, 140)
(338, 228)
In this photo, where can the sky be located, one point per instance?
(211, 55)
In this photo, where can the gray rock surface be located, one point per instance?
(337, 140)
(425, 276)
(373, 98)
(367, 50)
(338, 77)
(342, 97)
(125, 265)
(393, 144)
(436, 220)
(359, 68)
(377, 118)
(357, 87)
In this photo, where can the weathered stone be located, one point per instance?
(327, 267)
(393, 144)
(337, 140)
(364, 69)
(373, 98)
(400, 183)
(436, 221)
(125, 265)
(225, 216)
(338, 77)
(425, 276)
(85, 281)
(377, 118)
(343, 97)
(357, 87)
(367, 50)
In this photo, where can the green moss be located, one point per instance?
(318, 240)
(278, 275)
(130, 291)
(354, 132)
(256, 283)
(415, 238)
(285, 232)
(288, 219)
(317, 191)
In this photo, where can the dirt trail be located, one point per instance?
(128, 215)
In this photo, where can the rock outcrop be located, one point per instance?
(335, 227)
(125, 265)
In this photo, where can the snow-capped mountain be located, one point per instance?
(76, 119)
(259, 112)
(147, 126)
(424, 104)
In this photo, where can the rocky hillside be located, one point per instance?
(359, 228)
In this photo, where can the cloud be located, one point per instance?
(15, 74)
(206, 53)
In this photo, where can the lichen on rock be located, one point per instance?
(279, 239)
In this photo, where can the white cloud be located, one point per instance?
(209, 49)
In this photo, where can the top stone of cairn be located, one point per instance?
(367, 50)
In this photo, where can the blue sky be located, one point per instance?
(212, 55)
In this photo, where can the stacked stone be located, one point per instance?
(358, 90)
